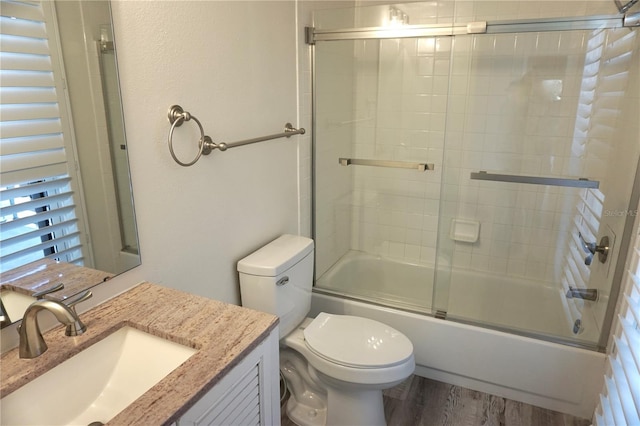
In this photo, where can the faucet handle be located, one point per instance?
(589, 248)
(72, 301)
(77, 327)
(588, 259)
(592, 248)
(42, 293)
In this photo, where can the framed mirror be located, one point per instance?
(67, 215)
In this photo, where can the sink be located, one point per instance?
(15, 303)
(97, 383)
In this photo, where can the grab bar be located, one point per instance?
(177, 116)
(536, 180)
(385, 163)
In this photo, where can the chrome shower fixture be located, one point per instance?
(624, 8)
(398, 18)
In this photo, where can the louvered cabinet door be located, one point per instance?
(248, 395)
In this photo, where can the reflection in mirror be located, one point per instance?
(66, 206)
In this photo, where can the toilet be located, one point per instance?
(335, 366)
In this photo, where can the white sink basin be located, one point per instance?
(97, 383)
(15, 303)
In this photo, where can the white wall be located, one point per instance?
(233, 66)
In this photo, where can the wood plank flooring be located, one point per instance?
(425, 402)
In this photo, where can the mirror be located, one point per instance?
(104, 220)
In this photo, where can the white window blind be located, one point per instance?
(620, 399)
(38, 216)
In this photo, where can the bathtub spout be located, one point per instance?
(582, 293)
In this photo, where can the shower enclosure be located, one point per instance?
(476, 161)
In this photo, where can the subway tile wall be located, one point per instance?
(504, 103)
(334, 99)
(400, 105)
(513, 112)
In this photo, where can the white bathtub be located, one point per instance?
(520, 305)
(537, 372)
(380, 280)
(502, 302)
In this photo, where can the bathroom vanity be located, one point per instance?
(232, 372)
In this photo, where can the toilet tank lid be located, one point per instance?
(277, 256)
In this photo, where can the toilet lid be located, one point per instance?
(357, 342)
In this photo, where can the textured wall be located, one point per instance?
(233, 66)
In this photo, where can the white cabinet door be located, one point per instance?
(248, 395)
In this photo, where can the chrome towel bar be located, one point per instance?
(536, 180)
(177, 116)
(385, 163)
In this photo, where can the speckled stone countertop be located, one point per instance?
(46, 273)
(222, 333)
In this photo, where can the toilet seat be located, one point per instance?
(356, 342)
(356, 375)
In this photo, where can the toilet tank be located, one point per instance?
(277, 279)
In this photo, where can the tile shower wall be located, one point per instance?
(487, 92)
(517, 105)
(399, 114)
(503, 103)
(305, 11)
(546, 104)
(512, 110)
(334, 127)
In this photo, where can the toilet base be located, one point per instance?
(304, 415)
(364, 407)
(318, 400)
(307, 404)
(322, 399)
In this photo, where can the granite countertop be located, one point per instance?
(222, 333)
(47, 273)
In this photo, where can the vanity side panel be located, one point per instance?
(247, 395)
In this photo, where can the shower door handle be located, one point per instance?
(592, 248)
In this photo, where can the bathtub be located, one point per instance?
(550, 375)
(380, 280)
(516, 304)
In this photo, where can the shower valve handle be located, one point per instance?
(592, 248)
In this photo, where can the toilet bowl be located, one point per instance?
(352, 381)
(335, 366)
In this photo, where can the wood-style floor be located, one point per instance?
(425, 402)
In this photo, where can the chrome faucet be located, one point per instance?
(32, 343)
(582, 293)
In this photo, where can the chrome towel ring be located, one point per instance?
(177, 116)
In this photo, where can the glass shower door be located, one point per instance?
(533, 140)
(380, 117)
(540, 129)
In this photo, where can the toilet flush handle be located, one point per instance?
(282, 281)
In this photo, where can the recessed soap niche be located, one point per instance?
(463, 230)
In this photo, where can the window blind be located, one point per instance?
(620, 400)
(38, 216)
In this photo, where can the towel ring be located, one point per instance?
(177, 116)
